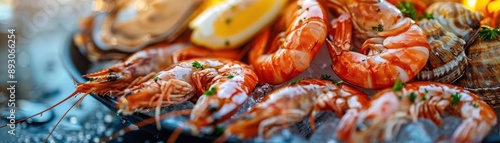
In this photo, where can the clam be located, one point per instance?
(482, 75)
(83, 41)
(456, 18)
(134, 24)
(447, 59)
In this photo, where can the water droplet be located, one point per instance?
(108, 118)
(73, 120)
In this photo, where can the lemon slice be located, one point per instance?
(231, 23)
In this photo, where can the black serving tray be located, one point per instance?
(77, 64)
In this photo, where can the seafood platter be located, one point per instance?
(294, 70)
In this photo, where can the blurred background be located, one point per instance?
(43, 28)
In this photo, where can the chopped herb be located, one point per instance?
(426, 91)
(197, 65)
(210, 91)
(218, 131)
(325, 76)
(413, 96)
(156, 79)
(408, 10)
(228, 20)
(230, 76)
(474, 104)
(488, 34)
(400, 97)
(338, 82)
(294, 82)
(398, 86)
(378, 28)
(424, 98)
(91, 79)
(428, 16)
(300, 21)
(299, 6)
(455, 98)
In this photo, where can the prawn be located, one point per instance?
(291, 103)
(396, 48)
(390, 108)
(221, 85)
(137, 69)
(286, 49)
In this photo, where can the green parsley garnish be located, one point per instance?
(408, 9)
(210, 91)
(218, 131)
(91, 79)
(326, 76)
(424, 98)
(299, 6)
(488, 34)
(455, 98)
(398, 86)
(156, 79)
(338, 82)
(197, 65)
(230, 76)
(428, 16)
(294, 82)
(474, 104)
(378, 28)
(426, 91)
(413, 96)
(400, 97)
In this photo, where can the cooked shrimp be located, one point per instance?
(222, 85)
(286, 49)
(137, 69)
(397, 48)
(291, 103)
(391, 108)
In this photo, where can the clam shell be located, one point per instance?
(447, 59)
(82, 39)
(134, 24)
(482, 75)
(456, 18)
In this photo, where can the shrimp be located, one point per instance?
(396, 48)
(137, 69)
(390, 108)
(291, 103)
(285, 50)
(222, 86)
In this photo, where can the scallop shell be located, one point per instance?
(134, 24)
(482, 75)
(447, 60)
(456, 18)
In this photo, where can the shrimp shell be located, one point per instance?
(390, 109)
(447, 58)
(456, 18)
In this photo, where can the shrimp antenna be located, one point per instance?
(64, 115)
(50, 108)
(146, 122)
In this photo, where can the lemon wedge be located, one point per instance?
(229, 24)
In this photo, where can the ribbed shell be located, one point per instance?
(456, 18)
(447, 60)
(482, 75)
